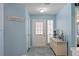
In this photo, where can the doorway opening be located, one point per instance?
(42, 31)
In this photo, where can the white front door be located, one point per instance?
(39, 33)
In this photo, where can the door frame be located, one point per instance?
(32, 29)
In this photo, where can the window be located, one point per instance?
(49, 29)
(50, 26)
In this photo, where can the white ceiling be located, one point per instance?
(52, 8)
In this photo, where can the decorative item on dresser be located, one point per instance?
(55, 34)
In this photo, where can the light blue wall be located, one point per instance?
(14, 32)
(28, 30)
(73, 23)
(65, 22)
(1, 30)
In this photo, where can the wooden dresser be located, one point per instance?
(58, 46)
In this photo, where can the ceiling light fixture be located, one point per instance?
(42, 10)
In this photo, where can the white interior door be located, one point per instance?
(39, 33)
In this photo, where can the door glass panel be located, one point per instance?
(49, 29)
(39, 27)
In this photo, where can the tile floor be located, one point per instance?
(40, 52)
